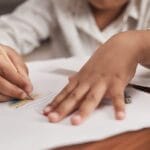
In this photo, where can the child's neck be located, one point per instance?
(105, 17)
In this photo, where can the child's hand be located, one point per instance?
(13, 83)
(106, 74)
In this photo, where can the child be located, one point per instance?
(79, 27)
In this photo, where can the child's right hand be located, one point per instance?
(13, 84)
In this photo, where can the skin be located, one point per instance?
(17, 84)
(104, 75)
(107, 5)
(13, 84)
(105, 12)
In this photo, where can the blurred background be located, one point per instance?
(42, 53)
(7, 6)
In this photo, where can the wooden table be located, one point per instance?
(139, 140)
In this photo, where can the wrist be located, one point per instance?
(145, 47)
(135, 44)
(131, 42)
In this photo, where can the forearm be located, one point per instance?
(140, 40)
(145, 53)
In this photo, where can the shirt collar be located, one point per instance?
(85, 21)
(132, 10)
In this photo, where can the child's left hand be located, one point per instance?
(106, 74)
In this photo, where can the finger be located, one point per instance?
(29, 86)
(91, 102)
(22, 71)
(14, 57)
(21, 68)
(10, 90)
(18, 61)
(119, 106)
(11, 75)
(118, 100)
(4, 98)
(61, 96)
(69, 104)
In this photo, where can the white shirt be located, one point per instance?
(69, 23)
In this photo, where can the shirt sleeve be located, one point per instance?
(26, 26)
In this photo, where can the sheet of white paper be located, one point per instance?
(142, 76)
(26, 128)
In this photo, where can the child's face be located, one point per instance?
(107, 4)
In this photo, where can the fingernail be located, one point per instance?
(53, 117)
(76, 120)
(47, 109)
(29, 89)
(120, 115)
(24, 95)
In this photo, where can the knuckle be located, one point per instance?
(119, 107)
(84, 112)
(117, 96)
(64, 92)
(21, 82)
(67, 89)
(116, 92)
(85, 84)
(103, 75)
(117, 76)
(22, 69)
(62, 109)
(73, 80)
(92, 96)
(55, 102)
(56, 99)
(119, 103)
(89, 103)
(73, 77)
(17, 92)
(22, 85)
(74, 95)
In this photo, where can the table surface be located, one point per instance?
(139, 140)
